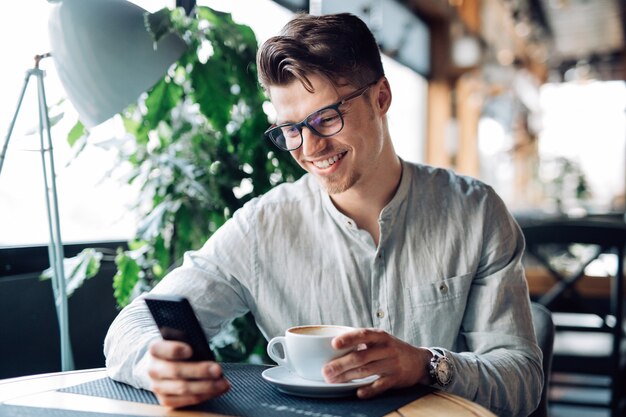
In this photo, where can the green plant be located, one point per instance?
(564, 180)
(198, 154)
(78, 269)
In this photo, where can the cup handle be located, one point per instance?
(278, 340)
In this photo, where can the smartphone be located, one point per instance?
(176, 320)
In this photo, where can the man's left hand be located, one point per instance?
(398, 364)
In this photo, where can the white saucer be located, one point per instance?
(290, 383)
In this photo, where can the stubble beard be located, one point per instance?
(339, 185)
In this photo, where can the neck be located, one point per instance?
(364, 201)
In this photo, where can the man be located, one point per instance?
(427, 264)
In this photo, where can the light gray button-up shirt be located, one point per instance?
(446, 273)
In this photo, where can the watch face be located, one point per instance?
(443, 371)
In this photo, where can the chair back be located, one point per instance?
(544, 331)
(565, 248)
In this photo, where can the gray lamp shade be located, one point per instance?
(105, 57)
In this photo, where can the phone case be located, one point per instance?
(176, 320)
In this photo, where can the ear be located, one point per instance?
(383, 98)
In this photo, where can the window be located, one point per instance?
(92, 206)
(584, 128)
(407, 114)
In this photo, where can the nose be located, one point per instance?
(311, 143)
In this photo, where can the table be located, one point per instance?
(540, 281)
(40, 391)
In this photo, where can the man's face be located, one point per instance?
(349, 158)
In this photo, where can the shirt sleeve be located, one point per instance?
(208, 278)
(501, 368)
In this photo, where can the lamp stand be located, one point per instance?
(55, 245)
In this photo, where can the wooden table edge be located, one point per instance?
(12, 388)
(41, 391)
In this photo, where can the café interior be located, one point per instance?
(528, 96)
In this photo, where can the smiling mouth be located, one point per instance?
(325, 163)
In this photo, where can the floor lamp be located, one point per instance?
(105, 58)
(55, 245)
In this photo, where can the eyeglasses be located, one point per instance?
(325, 122)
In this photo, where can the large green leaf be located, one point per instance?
(77, 132)
(126, 277)
(77, 269)
(163, 97)
(158, 23)
(211, 90)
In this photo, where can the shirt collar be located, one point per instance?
(388, 211)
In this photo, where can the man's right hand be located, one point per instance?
(178, 383)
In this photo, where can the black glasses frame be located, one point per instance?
(335, 106)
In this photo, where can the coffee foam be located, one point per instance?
(319, 330)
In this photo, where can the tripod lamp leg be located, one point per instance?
(55, 247)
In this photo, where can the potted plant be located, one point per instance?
(197, 153)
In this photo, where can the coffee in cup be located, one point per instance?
(306, 349)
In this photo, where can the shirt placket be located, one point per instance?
(380, 300)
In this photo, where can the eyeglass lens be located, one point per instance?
(325, 122)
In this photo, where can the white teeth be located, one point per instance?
(327, 162)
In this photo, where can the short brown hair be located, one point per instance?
(339, 47)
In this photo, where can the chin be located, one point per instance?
(338, 187)
(333, 189)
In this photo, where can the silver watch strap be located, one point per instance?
(436, 352)
(438, 356)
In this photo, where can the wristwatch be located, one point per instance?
(440, 368)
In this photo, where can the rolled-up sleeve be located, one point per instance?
(208, 278)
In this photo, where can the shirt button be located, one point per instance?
(380, 314)
(443, 288)
(350, 224)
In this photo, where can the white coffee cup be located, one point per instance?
(307, 349)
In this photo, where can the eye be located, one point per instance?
(290, 131)
(325, 118)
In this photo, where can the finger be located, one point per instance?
(353, 360)
(361, 336)
(182, 388)
(170, 350)
(175, 401)
(162, 369)
(377, 387)
(364, 370)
